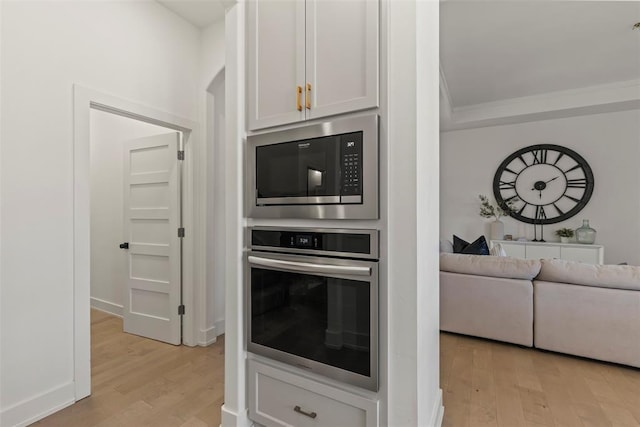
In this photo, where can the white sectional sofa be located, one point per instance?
(488, 296)
(588, 310)
(581, 309)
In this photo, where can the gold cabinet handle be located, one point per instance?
(307, 97)
(298, 98)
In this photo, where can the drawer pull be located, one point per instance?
(308, 414)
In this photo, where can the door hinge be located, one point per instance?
(181, 232)
(180, 154)
(181, 309)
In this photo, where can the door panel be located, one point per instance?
(152, 218)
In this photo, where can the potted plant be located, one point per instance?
(565, 234)
(489, 210)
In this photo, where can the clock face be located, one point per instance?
(546, 183)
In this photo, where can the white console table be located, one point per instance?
(592, 254)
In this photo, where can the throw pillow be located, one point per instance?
(498, 250)
(477, 247)
(446, 246)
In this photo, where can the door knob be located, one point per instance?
(124, 245)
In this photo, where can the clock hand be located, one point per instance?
(541, 185)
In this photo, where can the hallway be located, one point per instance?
(140, 382)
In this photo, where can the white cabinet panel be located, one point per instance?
(342, 56)
(281, 398)
(328, 50)
(275, 56)
(538, 251)
(592, 254)
(588, 255)
(514, 250)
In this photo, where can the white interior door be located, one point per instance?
(151, 222)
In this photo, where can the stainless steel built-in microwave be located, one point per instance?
(326, 170)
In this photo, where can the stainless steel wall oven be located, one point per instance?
(312, 300)
(325, 170)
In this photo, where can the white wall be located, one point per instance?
(413, 393)
(135, 50)
(108, 261)
(212, 104)
(609, 142)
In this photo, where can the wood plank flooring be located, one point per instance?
(140, 382)
(487, 383)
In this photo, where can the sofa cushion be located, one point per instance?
(492, 266)
(602, 276)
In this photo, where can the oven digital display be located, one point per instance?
(303, 240)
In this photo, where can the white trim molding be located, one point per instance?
(106, 306)
(437, 414)
(83, 100)
(42, 405)
(607, 98)
(209, 336)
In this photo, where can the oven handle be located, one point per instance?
(306, 267)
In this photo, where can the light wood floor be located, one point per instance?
(140, 382)
(487, 383)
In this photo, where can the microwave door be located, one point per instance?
(298, 172)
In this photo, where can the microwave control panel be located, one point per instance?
(351, 154)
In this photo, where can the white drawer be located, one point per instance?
(274, 396)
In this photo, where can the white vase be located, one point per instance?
(497, 230)
(564, 239)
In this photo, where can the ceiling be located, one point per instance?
(200, 13)
(493, 52)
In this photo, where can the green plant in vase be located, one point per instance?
(489, 210)
(565, 234)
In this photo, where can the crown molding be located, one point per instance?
(612, 97)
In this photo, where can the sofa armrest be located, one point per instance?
(599, 323)
(488, 307)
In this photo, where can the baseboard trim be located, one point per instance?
(437, 415)
(34, 409)
(107, 307)
(209, 336)
(234, 419)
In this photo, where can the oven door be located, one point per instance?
(320, 314)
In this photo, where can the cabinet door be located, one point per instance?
(588, 255)
(514, 249)
(342, 56)
(275, 62)
(542, 251)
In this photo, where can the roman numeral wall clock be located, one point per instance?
(546, 183)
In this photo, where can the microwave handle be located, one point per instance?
(306, 267)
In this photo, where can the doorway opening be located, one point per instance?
(136, 253)
(86, 101)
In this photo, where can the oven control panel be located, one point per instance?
(351, 243)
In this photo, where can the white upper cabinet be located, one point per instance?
(311, 59)
(275, 59)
